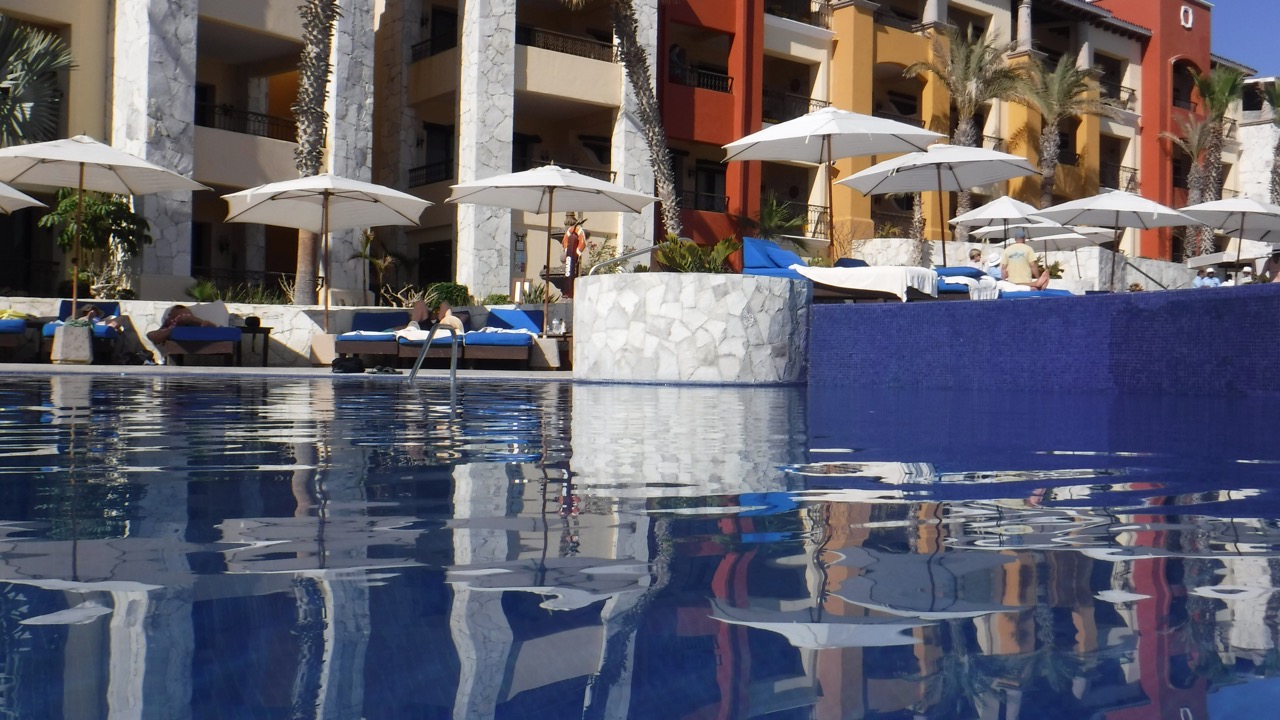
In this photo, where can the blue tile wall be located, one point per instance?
(1203, 341)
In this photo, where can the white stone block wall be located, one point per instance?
(630, 152)
(485, 129)
(153, 112)
(1257, 155)
(690, 327)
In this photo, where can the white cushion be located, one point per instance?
(214, 312)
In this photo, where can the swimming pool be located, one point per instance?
(344, 547)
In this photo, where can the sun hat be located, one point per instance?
(1212, 270)
(1247, 271)
(994, 259)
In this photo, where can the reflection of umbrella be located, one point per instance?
(86, 164)
(537, 191)
(1240, 216)
(943, 168)
(829, 134)
(935, 586)
(1116, 209)
(803, 629)
(321, 204)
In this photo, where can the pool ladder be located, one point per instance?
(454, 340)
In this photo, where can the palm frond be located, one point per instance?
(30, 97)
(1219, 88)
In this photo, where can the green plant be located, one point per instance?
(405, 296)
(774, 220)
(453, 293)
(688, 256)
(108, 222)
(818, 262)
(600, 252)
(541, 293)
(255, 294)
(888, 230)
(32, 63)
(204, 291)
(640, 267)
(379, 263)
(496, 299)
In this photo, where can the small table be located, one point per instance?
(265, 332)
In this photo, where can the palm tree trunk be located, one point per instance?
(966, 135)
(1050, 149)
(1275, 174)
(635, 61)
(318, 19)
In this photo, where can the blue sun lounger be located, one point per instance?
(371, 334)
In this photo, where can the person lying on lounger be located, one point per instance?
(443, 314)
(176, 316)
(1019, 264)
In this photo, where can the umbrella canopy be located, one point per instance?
(1116, 209)
(11, 200)
(1003, 208)
(933, 586)
(1239, 216)
(945, 168)
(1061, 242)
(86, 164)
(1043, 228)
(321, 204)
(818, 630)
(539, 191)
(829, 134)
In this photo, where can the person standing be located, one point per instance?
(1211, 279)
(1271, 268)
(574, 243)
(1198, 281)
(1019, 264)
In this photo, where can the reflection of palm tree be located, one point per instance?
(961, 676)
(309, 630)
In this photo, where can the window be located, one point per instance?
(1183, 85)
(1181, 169)
(438, 152)
(711, 187)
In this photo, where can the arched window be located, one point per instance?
(1184, 84)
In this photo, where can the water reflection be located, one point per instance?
(348, 548)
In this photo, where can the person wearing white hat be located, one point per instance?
(1211, 279)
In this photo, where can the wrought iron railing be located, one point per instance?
(780, 107)
(889, 19)
(707, 202)
(900, 118)
(1117, 176)
(993, 142)
(705, 79)
(811, 12)
(899, 223)
(432, 46)
(1125, 97)
(597, 173)
(817, 223)
(431, 173)
(567, 44)
(226, 117)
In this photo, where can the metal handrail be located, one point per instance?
(454, 340)
(622, 258)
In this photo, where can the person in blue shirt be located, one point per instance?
(1211, 279)
(1198, 281)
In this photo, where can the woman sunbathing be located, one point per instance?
(176, 316)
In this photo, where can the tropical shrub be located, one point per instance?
(687, 256)
(453, 293)
(496, 299)
(541, 293)
(204, 291)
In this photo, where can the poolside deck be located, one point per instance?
(425, 375)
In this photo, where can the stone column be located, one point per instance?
(255, 236)
(630, 153)
(1024, 26)
(1084, 57)
(486, 91)
(397, 124)
(350, 142)
(935, 13)
(152, 115)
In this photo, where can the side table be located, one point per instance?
(254, 332)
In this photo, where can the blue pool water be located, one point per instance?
(356, 547)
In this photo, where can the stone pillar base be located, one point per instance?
(72, 346)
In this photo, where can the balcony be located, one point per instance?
(810, 12)
(888, 223)
(431, 173)
(703, 79)
(888, 18)
(706, 202)
(226, 117)
(567, 44)
(900, 118)
(817, 223)
(992, 142)
(779, 106)
(1125, 97)
(1118, 177)
(431, 47)
(597, 173)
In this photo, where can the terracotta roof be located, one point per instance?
(1220, 60)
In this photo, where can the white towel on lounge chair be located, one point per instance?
(983, 288)
(518, 331)
(891, 280)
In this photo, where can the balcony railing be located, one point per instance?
(816, 221)
(992, 142)
(567, 44)
(889, 19)
(1118, 177)
(431, 173)
(900, 118)
(597, 173)
(432, 46)
(225, 117)
(780, 106)
(1125, 97)
(811, 12)
(1229, 194)
(705, 79)
(882, 219)
(707, 202)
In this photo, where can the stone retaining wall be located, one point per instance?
(690, 327)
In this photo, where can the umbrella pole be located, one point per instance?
(831, 216)
(324, 238)
(1116, 229)
(546, 269)
(942, 215)
(75, 247)
(1244, 218)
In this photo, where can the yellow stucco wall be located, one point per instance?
(81, 23)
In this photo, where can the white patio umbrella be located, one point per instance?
(1239, 216)
(322, 204)
(86, 164)
(1116, 209)
(829, 134)
(11, 199)
(540, 189)
(1004, 208)
(943, 168)
(816, 629)
(1043, 228)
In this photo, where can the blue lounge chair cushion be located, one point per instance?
(13, 325)
(754, 254)
(1023, 294)
(100, 332)
(108, 307)
(950, 287)
(851, 263)
(505, 339)
(193, 333)
(442, 338)
(515, 319)
(969, 272)
(781, 257)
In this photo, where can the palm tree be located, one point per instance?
(30, 99)
(635, 61)
(1058, 95)
(973, 70)
(1271, 92)
(318, 20)
(1218, 89)
(1194, 141)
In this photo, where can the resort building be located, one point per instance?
(1259, 133)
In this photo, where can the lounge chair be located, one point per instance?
(965, 283)
(371, 334)
(409, 347)
(104, 336)
(847, 281)
(507, 334)
(13, 332)
(219, 339)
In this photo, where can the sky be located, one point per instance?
(1245, 31)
